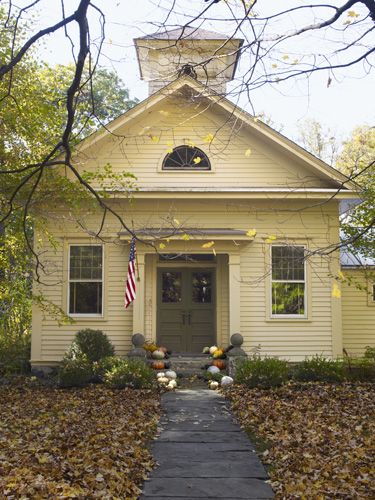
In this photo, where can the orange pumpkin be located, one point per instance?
(158, 365)
(220, 363)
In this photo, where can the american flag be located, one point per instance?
(130, 282)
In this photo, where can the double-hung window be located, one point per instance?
(288, 281)
(85, 280)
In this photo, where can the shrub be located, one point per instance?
(361, 369)
(93, 344)
(214, 376)
(260, 372)
(74, 373)
(14, 354)
(104, 365)
(370, 353)
(130, 373)
(319, 369)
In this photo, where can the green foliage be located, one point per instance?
(260, 372)
(104, 365)
(14, 354)
(361, 370)
(130, 373)
(214, 376)
(318, 368)
(74, 372)
(94, 345)
(370, 353)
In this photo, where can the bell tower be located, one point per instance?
(209, 57)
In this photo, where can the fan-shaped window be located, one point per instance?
(186, 158)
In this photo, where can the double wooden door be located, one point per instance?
(186, 309)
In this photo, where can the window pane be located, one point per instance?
(85, 262)
(288, 263)
(85, 298)
(288, 298)
(201, 287)
(171, 283)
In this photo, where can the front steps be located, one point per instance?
(189, 365)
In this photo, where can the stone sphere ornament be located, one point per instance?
(138, 340)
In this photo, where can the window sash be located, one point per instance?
(95, 271)
(295, 305)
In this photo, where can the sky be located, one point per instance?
(347, 102)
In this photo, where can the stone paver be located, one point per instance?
(203, 453)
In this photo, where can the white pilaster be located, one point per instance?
(234, 294)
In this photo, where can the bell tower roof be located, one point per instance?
(209, 57)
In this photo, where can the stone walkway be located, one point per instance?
(203, 453)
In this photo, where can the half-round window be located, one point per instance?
(186, 158)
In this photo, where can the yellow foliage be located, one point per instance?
(197, 160)
(336, 292)
(209, 138)
(209, 244)
(248, 153)
(251, 233)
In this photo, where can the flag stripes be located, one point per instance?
(130, 289)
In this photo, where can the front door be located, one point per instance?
(186, 309)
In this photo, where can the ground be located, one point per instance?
(317, 439)
(76, 443)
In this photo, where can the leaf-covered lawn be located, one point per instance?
(321, 437)
(79, 443)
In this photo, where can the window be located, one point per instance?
(373, 292)
(186, 158)
(86, 279)
(288, 281)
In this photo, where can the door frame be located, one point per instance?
(192, 266)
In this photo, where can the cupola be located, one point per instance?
(209, 57)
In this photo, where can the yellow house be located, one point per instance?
(233, 222)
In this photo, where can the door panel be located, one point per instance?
(186, 309)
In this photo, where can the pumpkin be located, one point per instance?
(206, 350)
(218, 353)
(158, 355)
(219, 363)
(171, 375)
(158, 365)
(163, 380)
(213, 349)
(213, 369)
(150, 347)
(226, 381)
(172, 384)
(163, 349)
(213, 385)
(160, 374)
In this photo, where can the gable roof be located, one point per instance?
(317, 166)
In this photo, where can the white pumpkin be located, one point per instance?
(213, 349)
(213, 369)
(163, 380)
(226, 381)
(213, 385)
(158, 355)
(171, 374)
(173, 384)
(206, 350)
(160, 374)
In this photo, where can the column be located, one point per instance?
(234, 294)
(139, 303)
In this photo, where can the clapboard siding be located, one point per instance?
(358, 312)
(292, 339)
(141, 146)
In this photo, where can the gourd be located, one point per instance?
(219, 363)
(213, 385)
(218, 353)
(163, 380)
(160, 374)
(150, 347)
(172, 384)
(158, 355)
(213, 369)
(163, 349)
(158, 365)
(206, 350)
(171, 375)
(226, 381)
(213, 349)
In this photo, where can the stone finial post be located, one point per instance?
(236, 353)
(138, 350)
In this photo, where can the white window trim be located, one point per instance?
(305, 295)
(85, 315)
